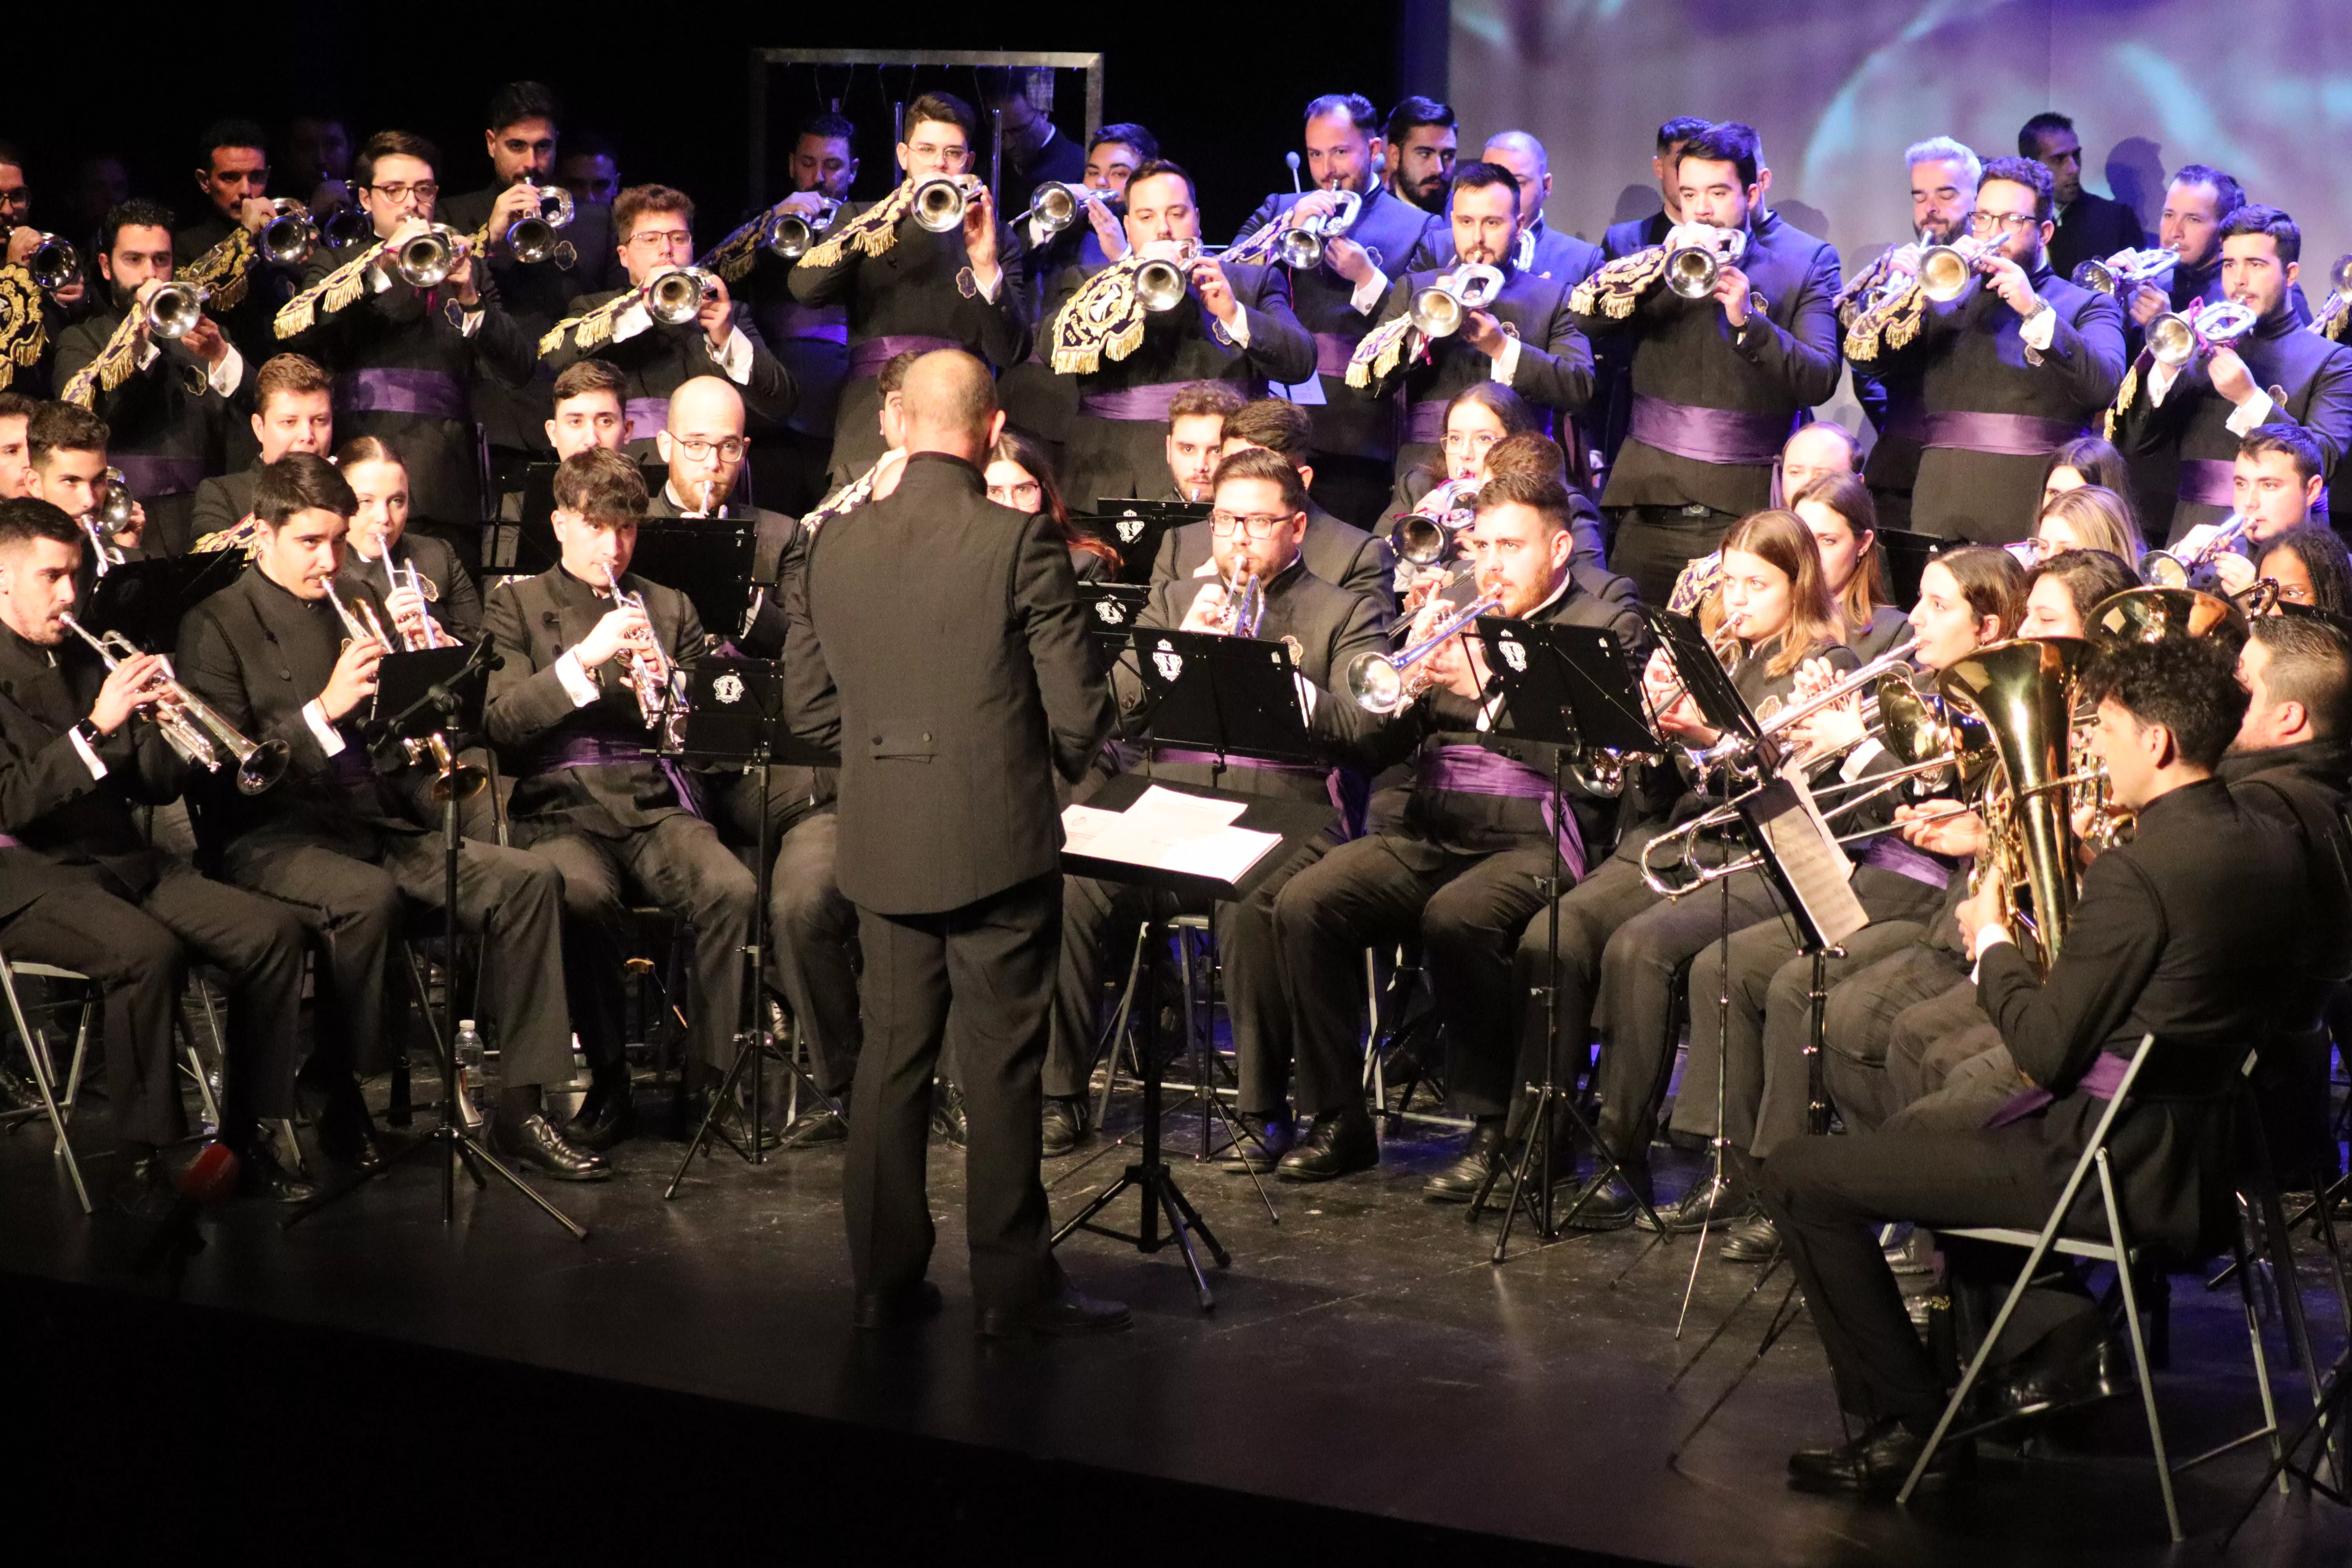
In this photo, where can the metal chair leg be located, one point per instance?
(42, 1078)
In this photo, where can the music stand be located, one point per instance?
(1134, 528)
(710, 560)
(734, 717)
(1233, 697)
(146, 600)
(1111, 610)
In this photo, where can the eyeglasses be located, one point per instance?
(664, 237)
(1981, 223)
(423, 190)
(1470, 440)
(731, 448)
(1028, 492)
(1258, 526)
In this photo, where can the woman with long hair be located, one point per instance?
(2089, 517)
(1020, 476)
(1844, 520)
(379, 534)
(1478, 418)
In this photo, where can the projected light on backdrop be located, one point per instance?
(1839, 87)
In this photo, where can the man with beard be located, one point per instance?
(811, 342)
(232, 176)
(1944, 176)
(1422, 139)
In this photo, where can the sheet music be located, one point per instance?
(1170, 831)
(1817, 867)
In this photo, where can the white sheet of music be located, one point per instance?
(1170, 831)
(1815, 863)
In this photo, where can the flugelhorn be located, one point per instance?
(792, 234)
(2183, 568)
(190, 726)
(2128, 269)
(174, 309)
(1699, 254)
(939, 200)
(1439, 309)
(533, 236)
(1384, 682)
(1302, 244)
(290, 239)
(1055, 206)
(2179, 336)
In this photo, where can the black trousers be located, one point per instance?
(1767, 1091)
(1465, 911)
(1933, 1036)
(982, 970)
(512, 900)
(812, 945)
(679, 864)
(1652, 544)
(139, 952)
(1859, 1022)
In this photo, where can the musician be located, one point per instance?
(380, 551)
(1421, 136)
(1233, 324)
(590, 169)
(1018, 476)
(2278, 373)
(566, 713)
(1462, 871)
(2275, 484)
(232, 175)
(2311, 566)
(949, 842)
(1525, 336)
(523, 132)
(66, 445)
(2009, 371)
(1758, 1044)
(1260, 530)
(166, 413)
(1621, 940)
(2088, 517)
(2176, 935)
(1196, 432)
(293, 411)
(2088, 225)
(1816, 450)
(403, 357)
(1340, 553)
(655, 227)
(2197, 201)
(588, 409)
(16, 413)
(811, 342)
(318, 162)
(1837, 508)
(1716, 384)
(1480, 417)
(920, 290)
(80, 888)
(1355, 437)
(1943, 178)
(1665, 159)
(344, 842)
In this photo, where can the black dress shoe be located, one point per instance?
(260, 1175)
(2048, 1387)
(1755, 1239)
(349, 1140)
(535, 1142)
(607, 1116)
(1340, 1143)
(17, 1093)
(1711, 1203)
(1070, 1315)
(947, 1112)
(820, 1126)
(144, 1190)
(1065, 1126)
(734, 1123)
(1877, 1463)
(1485, 1155)
(896, 1309)
(1609, 1206)
(1262, 1141)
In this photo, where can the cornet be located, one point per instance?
(675, 295)
(2179, 336)
(791, 234)
(2191, 568)
(1422, 537)
(2128, 269)
(1244, 606)
(290, 238)
(1164, 269)
(1439, 309)
(533, 236)
(939, 200)
(189, 725)
(174, 309)
(1698, 254)
(1303, 244)
(1384, 682)
(651, 675)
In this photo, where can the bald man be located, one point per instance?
(937, 643)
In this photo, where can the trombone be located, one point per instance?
(1384, 682)
(791, 235)
(1439, 309)
(190, 726)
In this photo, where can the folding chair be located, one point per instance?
(36, 1051)
(2119, 1250)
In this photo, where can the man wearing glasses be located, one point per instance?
(2020, 364)
(403, 357)
(655, 226)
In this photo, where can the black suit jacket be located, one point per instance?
(268, 285)
(1184, 344)
(531, 717)
(658, 360)
(453, 600)
(2176, 934)
(911, 290)
(221, 502)
(535, 294)
(2094, 225)
(938, 642)
(1555, 368)
(71, 827)
(167, 410)
(1545, 250)
(1684, 350)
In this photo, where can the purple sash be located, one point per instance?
(642, 416)
(158, 476)
(828, 322)
(603, 752)
(1332, 354)
(1425, 422)
(2001, 435)
(2106, 1076)
(432, 393)
(1708, 434)
(1148, 402)
(10, 841)
(1891, 852)
(1475, 770)
(867, 359)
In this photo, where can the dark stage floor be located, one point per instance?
(1368, 1385)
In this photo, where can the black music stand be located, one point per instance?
(734, 716)
(1134, 528)
(710, 560)
(146, 600)
(1231, 696)
(1567, 693)
(1110, 610)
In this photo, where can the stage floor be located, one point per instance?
(1363, 1356)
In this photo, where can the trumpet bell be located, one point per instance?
(1053, 206)
(173, 311)
(675, 296)
(2172, 340)
(1692, 270)
(2163, 569)
(1944, 272)
(531, 239)
(1160, 284)
(939, 203)
(2096, 276)
(1423, 540)
(1375, 684)
(1437, 312)
(1301, 248)
(53, 263)
(263, 767)
(2161, 613)
(289, 239)
(555, 206)
(790, 237)
(347, 228)
(426, 260)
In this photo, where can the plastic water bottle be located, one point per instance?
(468, 1046)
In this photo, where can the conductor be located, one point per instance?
(936, 640)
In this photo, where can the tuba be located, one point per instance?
(2160, 614)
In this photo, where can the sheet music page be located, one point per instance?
(1815, 863)
(1171, 831)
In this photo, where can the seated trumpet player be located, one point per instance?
(284, 659)
(1968, 598)
(1339, 553)
(2195, 404)
(416, 331)
(430, 597)
(293, 411)
(65, 447)
(2011, 361)
(158, 370)
(1139, 331)
(1263, 589)
(646, 328)
(590, 654)
(80, 887)
(928, 277)
(2276, 482)
(1459, 871)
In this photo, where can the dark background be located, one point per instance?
(670, 83)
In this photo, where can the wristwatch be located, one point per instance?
(91, 736)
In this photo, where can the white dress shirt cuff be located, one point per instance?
(2254, 411)
(330, 740)
(735, 359)
(2041, 332)
(1238, 328)
(2161, 378)
(469, 319)
(1369, 293)
(631, 321)
(88, 753)
(991, 289)
(1507, 363)
(228, 375)
(1988, 938)
(578, 684)
(1858, 758)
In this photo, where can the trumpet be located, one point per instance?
(2176, 337)
(2169, 568)
(533, 236)
(1302, 244)
(1163, 270)
(1384, 682)
(1055, 206)
(1945, 270)
(1734, 747)
(675, 295)
(939, 200)
(1244, 606)
(651, 675)
(426, 258)
(792, 234)
(1698, 255)
(1439, 309)
(106, 521)
(347, 227)
(1423, 538)
(174, 309)
(361, 624)
(54, 263)
(290, 238)
(405, 575)
(2328, 319)
(190, 726)
(2128, 269)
